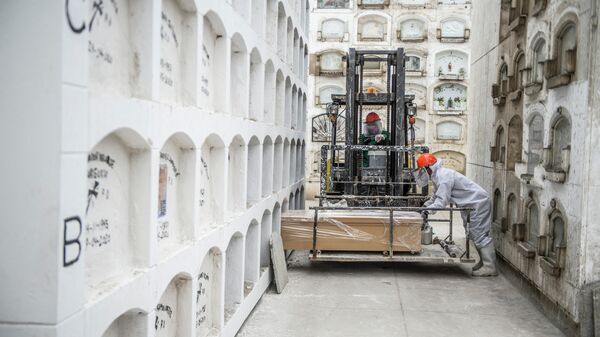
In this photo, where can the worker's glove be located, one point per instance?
(379, 138)
(424, 215)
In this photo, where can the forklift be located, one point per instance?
(384, 182)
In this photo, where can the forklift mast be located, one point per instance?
(395, 179)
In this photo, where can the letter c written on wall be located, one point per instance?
(71, 243)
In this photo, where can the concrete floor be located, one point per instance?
(333, 299)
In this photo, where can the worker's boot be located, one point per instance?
(488, 256)
(479, 263)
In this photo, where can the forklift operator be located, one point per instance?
(373, 134)
(452, 187)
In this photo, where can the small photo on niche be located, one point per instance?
(162, 190)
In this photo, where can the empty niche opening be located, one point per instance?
(276, 219)
(302, 198)
(258, 16)
(173, 318)
(234, 273)
(281, 30)
(209, 307)
(279, 98)
(303, 159)
(253, 188)
(257, 73)
(300, 53)
(265, 237)
(267, 167)
(110, 47)
(277, 165)
(269, 93)
(289, 57)
(535, 142)
(118, 169)
(284, 208)
(271, 22)
(175, 193)
(239, 76)
(515, 142)
(295, 64)
(242, 7)
(297, 199)
(298, 169)
(212, 180)
(292, 202)
(130, 324)
(214, 46)
(286, 163)
(287, 113)
(177, 50)
(237, 175)
(294, 109)
(304, 107)
(299, 111)
(292, 167)
(251, 259)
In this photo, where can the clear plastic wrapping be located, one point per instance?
(352, 231)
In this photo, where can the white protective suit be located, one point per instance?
(452, 187)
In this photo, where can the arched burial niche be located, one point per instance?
(234, 275)
(299, 161)
(372, 27)
(535, 142)
(302, 198)
(253, 187)
(111, 48)
(130, 324)
(175, 193)
(454, 160)
(294, 109)
(277, 165)
(239, 76)
(178, 44)
(515, 142)
(265, 237)
(279, 98)
(276, 220)
(451, 64)
(258, 16)
(257, 73)
(292, 201)
(237, 176)
(450, 98)
(292, 167)
(252, 257)
(287, 113)
(269, 93)
(289, 57)
(281, 31)
(297, 200)
(267, 167)
(172, 310)
(118, 182)
(212, 180)
(271, 22)
(214, 49)
(286, 163)
(209, 306)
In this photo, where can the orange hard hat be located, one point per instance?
(372, 117)
(426, 159)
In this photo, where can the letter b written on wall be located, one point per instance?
(72, 229)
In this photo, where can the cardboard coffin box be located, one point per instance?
(351, 231)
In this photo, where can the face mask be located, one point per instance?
(373, 129)
(421, 177)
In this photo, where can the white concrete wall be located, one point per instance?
(432, 14)
(136, 134)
